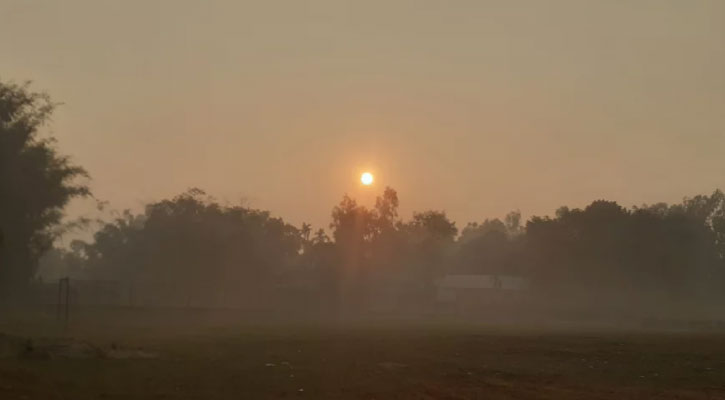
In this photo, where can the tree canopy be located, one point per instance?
(649, 255)
(206, 253)
(36, 182)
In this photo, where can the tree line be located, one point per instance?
(600, 255)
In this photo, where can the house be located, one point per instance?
(479, 290)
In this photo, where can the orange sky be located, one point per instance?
(475, 107)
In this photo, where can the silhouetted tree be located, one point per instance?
(601, 257)
(353, 228)
(492, 247)
(202, 251)
(653, 254)
(431, 237)
(388, 245)
(36, 182)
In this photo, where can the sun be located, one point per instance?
(367, 178)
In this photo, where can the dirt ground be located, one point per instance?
(165, 358)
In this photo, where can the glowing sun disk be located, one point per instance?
(367, 178)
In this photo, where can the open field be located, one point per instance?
(372, 360)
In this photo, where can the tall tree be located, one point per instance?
(201, 251)
(36, 182)
(431, 236)
(353, 228)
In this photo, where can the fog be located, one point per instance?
(635, 267)
(476, 108)
(362, 200)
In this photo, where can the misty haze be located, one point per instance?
(362, 200)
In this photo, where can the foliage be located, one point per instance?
(603, 254)
(664, 253)
(36, 182)
(654, 254)
(196, 246)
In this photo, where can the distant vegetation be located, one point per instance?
(602, 256)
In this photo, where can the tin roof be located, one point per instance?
(505, 282)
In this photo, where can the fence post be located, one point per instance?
(67, 300)
(63, 311)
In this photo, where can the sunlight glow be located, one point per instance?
(367, 178)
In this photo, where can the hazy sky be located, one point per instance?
(475, 107)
